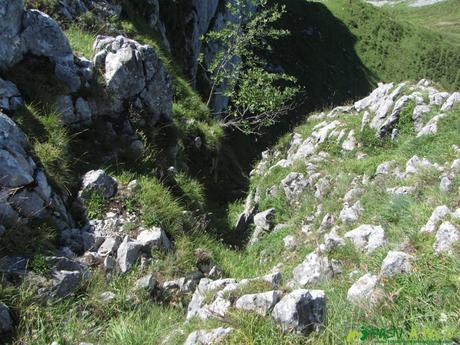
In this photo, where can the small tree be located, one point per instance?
(258, 97)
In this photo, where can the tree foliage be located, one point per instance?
(258, 93)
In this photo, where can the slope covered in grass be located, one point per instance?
(403, 44)
(443, 18)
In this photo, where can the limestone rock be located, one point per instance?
(364, 291)
(301, 311)
(264, 220)
(313, 269)
(128, 253)
(367, 237)
(25, 193)
(403, 190)
(396, 262)
(98, 181)
(261, 303)
(332, 240)
(107, 297)
(154, 238)
(453, 100)
(293, 185)
(351, 214)
(446, 237)
(439, 214)
(109, 246)
(416, 165)
(204, 337)
(431, 127)
(134, 73)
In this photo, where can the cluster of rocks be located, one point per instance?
(25, 193)
(381, 112)
(300, 310)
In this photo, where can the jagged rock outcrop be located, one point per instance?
(33, 32)
(25, 193)
(133, 74)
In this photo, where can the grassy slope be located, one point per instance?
(124, 322)
(443, 18)
(414, 302)
(397, 47)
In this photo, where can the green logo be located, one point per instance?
(375, 335)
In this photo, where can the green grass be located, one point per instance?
(50, 143)
(443, 18)
(80, 40)
(402, 44)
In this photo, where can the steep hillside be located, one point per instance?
(130, 213)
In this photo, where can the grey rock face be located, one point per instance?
(261, 303)
(264, 220)
(109, 246)
(11, 46)
(396, 262)
(133, 73)
(127, 254)
(6, 323)
(43, 37)
(203, 337)
(197, 306)
(301, 311)
(264, 223)
(98, 181)
(10, 97)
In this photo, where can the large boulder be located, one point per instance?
(135, 74)
(35, 33)
(301, 311)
